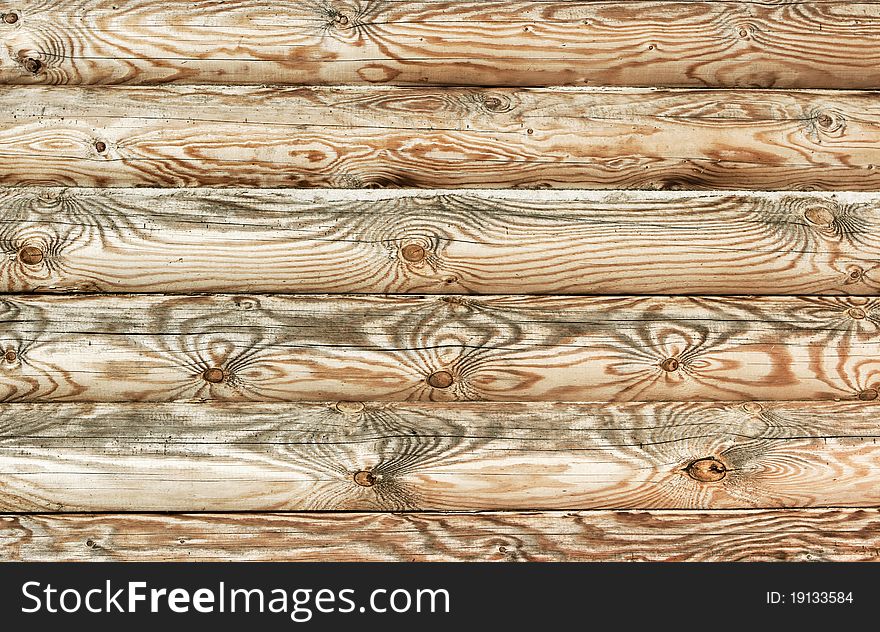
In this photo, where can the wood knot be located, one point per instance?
(413, 253)
(30, 255)
(10, 356)
(351, 408)
(670, 365)
(214, 375)
(10, 18)
(855, 275)
(829, 123)
(708, 470)
(340, 20)
(32, 65)
(440, 379)
(869, 395)
(364, 478)
(100, 147)
(856, 313)
(819, 216)
(753, 408)
(496, 104)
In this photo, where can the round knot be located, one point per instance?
(214, 375)
(856, 274)
(496, 104)
(868, 395)
(856, 313)
(753, 408)
(350, 407)
(819, 216)
(10, 356)
(364, 478)
(340, 20)
(100, 147)
(32, 65)
(708, 470)
(441, 379)
(10, 18)
(830, 122)
(492, 104)
(413, 253)
(30, 255)
(670, 365)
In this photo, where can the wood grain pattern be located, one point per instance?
(477, 456)
(804, 44)
(281, 348)
(489, 242)
(793, 535)
(351, 137)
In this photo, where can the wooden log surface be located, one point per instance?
(473, 242)
(355, 137)
(798, 535)
(396, 348)
(804, 44)
(477, 456)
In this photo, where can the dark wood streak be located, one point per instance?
(467, 456)
(438, 242)
(157, 348)
(351, 137)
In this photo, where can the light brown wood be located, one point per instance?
(792, 535)
(490, 242)
(408, 371)
(431, 138)
(804, 44)
(466, 456)
(284, 348)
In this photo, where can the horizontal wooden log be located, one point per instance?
(831, 535)
(470, 456)
(440, 348)
(353, 137)
(478, 242)
(804, 44)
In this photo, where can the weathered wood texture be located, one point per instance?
(466, 456)
(417, 137)
(480, 242)
(805, 44)
(838, 535)
(247, 347)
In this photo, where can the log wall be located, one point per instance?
(616, 298)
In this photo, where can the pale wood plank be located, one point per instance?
(831, 535)
(354, 137)
(466, 456)
(470, 242)
(811, 44)
(442, 348)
